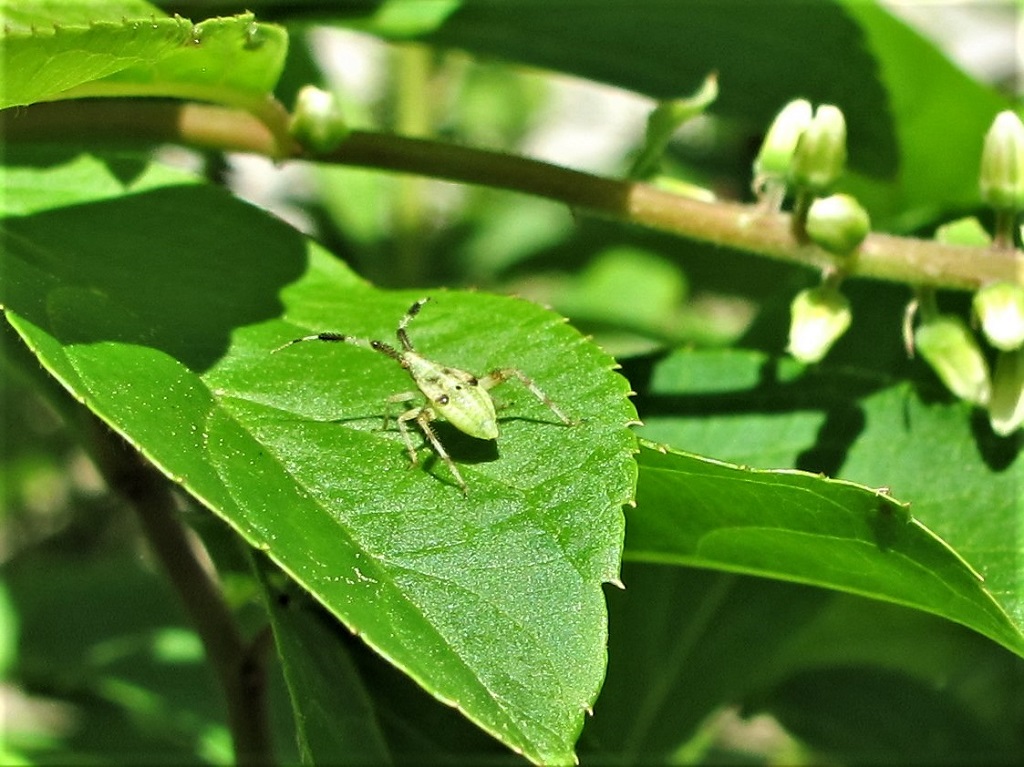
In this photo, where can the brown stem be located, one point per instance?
(240, 667)
(740, 227)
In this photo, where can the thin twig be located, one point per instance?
(731, 225)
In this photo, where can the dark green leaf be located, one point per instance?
(863, 427)
(687, 644)
(940, 115)
(765, 54)
(334, 717)
(165, 327)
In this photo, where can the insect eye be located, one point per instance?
(442, 400)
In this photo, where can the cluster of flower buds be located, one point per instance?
(1000, 307)
(953, 351)
(944, 341)
(805, 151)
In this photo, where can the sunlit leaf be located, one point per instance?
(492, 601)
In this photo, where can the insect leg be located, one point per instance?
(423, 417)
(394, 399)
(403, 429)
(501, 375)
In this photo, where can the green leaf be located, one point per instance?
(627, 287)
(681, 647)
(827, 532)
(493, 601)
(959, 692)
(686, 644)
(940, 115)
(71, 51)
(765, 54)
(22, 15)
(334, 718)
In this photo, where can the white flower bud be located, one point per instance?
(772, 164)
(1000, 308)
(317, 122)
(1002, 163)
(1006, 409)
(837, 223)
(820, 154)
(951, 350)
(819, 316)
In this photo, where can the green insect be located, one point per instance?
(453, 395)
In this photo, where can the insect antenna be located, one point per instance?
(403, 335)
(314, 337)
(387, 349)
(378, 346)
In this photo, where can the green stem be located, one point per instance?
(798, 219)
(412, 116)
(928, 303)
(1004, 229)
(731, 225)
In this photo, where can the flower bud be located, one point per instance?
(837, 223)
(1002, 163)
(1000, 307)
(821, 151)
(772, 164)
(819, 316)
(317, 122)
(1006, 408)
(963, 231)
(949, 347)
